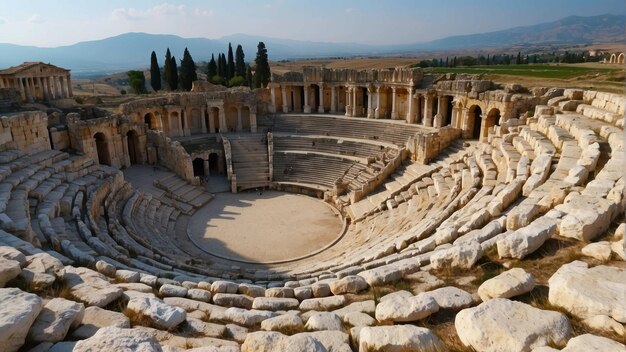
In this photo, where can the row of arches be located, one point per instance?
(209, 167)
(184, 122)
(475, 119)
(616, 58)
(103, 148)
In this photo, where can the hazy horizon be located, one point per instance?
(373, 22)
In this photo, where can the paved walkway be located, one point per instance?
(274, 226)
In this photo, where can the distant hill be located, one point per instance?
(132, 50)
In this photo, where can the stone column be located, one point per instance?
(307, 108)
(63, 87)
(126, 159)
(284, 96)
(370, 110)
(239, 121)
(57, 85)
(483, 128)
(333, 100)
(2, 83)
(428, 110)
(377, 111)
(187, 125)
(272, 108)
(455, 115)
(181, 130)
(222, 113)
(348, 104)
(354, 102)
(46, 91)
(320, 109)
(394, 112)
(69, 86)
(29, 93)
(410, 116)
(203, 118)
(22, 89)
(211, 122)
(253, 125)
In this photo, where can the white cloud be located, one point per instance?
(35, 18)
(160, 11)
(349, 10)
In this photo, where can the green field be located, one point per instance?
(538, 71)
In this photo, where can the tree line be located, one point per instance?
(510, 59)
(229, 71)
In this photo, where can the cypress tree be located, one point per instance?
(187, 71)
(224, 70)
(262, 73)
(211, 69)
(173, 75)
(249, 78)
(240, 64)
(166, 67)
(518, 61)
(231, 62)
(487, 59)
(155, 73)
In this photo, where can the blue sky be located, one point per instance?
(61, 22)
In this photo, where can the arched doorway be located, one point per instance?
(215, 115)
(231, 119)
(133, 147)
(151, 121)
(474, 119)
(198, 167)
(447, 119)
(620, 58)
(493, 118)
(102, 148)
(214, 164)
(245, 118)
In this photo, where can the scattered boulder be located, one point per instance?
(527, 239)
(358, 319)
(9, 270)
(589, 342)
(105, 268)
(18, 311)
(606, 324)
(348, 284)
(324, 321)
(159, 313)
(246, 317)
(91, 287)
(462, 256)
(451, 298)
(398, 338)
(262, 341)
(112, 338)
(55, 320)
(503, 325)
(96, 318)
(382, 275)
(587, 292)
(587, 216)
(11, 253)
(406, 309)
(598, 250)
(283, 323)
(169, 290)
(509, 284)
(323, 303)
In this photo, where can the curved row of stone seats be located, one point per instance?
(331, 145)
(395, 132)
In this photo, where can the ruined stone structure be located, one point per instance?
(37, 81)
(439, 184)
(616, 58)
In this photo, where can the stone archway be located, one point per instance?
(474, 121)
(493, 119)
(102, 149)
(620, 58)
(231, 118)
(613, 59)
(151, 120)
(245, 118)
(134, 152)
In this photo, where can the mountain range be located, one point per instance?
(132, 50)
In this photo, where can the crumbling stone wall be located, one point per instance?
(170, 154)
(27, 131)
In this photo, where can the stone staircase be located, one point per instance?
(250, 160)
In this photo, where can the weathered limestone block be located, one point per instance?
(262, 341)
(348, 284)
(598, 250)
(606, 324)
(9, 270)
(367, 307)
(90, 287)
(451, 298)
(197, 326)
(169, 290)
(381, 275)
(224, 287)
(323, 303)
(105, 268)
(96, 318)
(587, 292)
(324, 321)
(45, 263)
(36, 280)
(55, 320)
(398, 338)
(251, 290)
(401, 309)
(117, 339)
(302, 293)
(246, 317)
(11, 253)
(127, 275)
(320, 289)
(589, 342)
(358, 319)
(509, 284)
(465, 255)
(280, 292)
(283, 323)
(527, 239)
(18, 311)
(199, 295)
(586, 216)
(333, 340)
(503, 325)
(161, 314)
(274, 304)
(233, 300)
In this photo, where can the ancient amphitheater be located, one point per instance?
(334, 210)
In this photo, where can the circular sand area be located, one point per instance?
(269, 228)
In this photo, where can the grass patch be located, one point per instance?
(536, 71)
